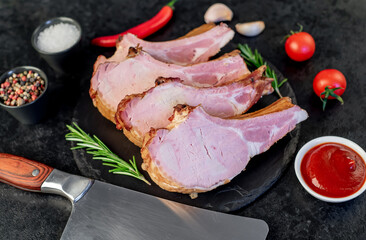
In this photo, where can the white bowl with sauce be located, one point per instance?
(324, 140)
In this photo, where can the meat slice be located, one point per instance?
(113, 81)
(197, 46)
(198, 152)
(137, 113)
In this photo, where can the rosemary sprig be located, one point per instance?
(100, 151)
(255, 60)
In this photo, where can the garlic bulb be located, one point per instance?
(218, 12)
(250, 29)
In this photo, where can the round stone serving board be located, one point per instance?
(260, 174)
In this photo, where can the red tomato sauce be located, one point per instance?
(333, 170)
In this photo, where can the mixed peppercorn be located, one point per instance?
(21, 88)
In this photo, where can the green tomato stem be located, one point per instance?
(330, 92)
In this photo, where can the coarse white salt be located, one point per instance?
(58, 37)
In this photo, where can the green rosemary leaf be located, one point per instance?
(76, 147)
(74, 139)
(100, 151)
(88, 145)
(125, 173)
(116, 167)
(282, 82)
(255, 60)
(105, 159)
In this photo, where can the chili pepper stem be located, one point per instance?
(171, 4)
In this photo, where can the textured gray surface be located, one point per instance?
(339, 31)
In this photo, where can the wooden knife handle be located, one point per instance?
(23, 173)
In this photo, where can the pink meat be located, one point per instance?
(182, 51)
(113, 81)
(152, 109)
(201, 152)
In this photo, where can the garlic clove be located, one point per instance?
(218, 12)
(250, 29)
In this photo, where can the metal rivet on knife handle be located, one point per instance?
(35, 172)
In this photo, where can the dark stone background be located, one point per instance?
(338, 28)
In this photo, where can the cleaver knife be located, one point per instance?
(105, 211)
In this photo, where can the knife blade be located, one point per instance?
(105, 211)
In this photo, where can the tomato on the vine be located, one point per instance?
(300, 46)
(329, 84)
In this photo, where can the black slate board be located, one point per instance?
(261, 173)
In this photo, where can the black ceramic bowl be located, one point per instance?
(62, 61)
(29, 113)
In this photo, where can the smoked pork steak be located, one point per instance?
(198, 152)
(137, 113)
(196, 46)
(113, 81)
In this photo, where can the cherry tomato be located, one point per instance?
(329, 84)
(300, 46)
(331, 78)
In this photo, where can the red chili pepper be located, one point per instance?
(142, 30)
